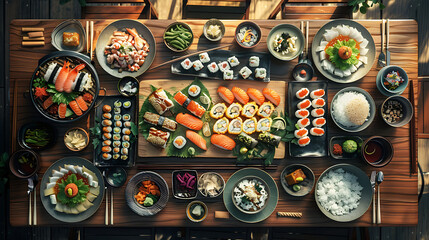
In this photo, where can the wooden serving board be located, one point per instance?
(146, 149)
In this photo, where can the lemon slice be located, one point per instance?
(279, 123)
(206, 129)
(204, 99)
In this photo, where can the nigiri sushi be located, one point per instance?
(221, 125)
(160, 101)
(300, 133)
(302, 93)
(249, 126)
(266, 109)
(256, 95)
(157, 137)
(196, 139)
(235, 126)
(189, 104)
(179, 142)
(304, 141)
(319, 122)
(226, 94)
(304, 122)
(302, 113)
(271, 95)
(222, 141)
(240, 94)
(304, 104)
(249, 110)
(189, 121)
(218, 110)
(318, 93)
(318, 102)
(315, 131)
(233, 110)
(318, 112)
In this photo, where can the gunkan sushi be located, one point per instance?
(300, 133)
(302, 113)
(302, 142)
(318, 112)
(304, 122)
(315, 131)
(318, 102)
(319, 122)
(254, 61)
(302, 93)
(304, 104)
(318, 93)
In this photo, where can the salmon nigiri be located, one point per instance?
(75, 107)
(62, 109)
(81, 103)
(271, 95)
(189, 121)
(222, 141)
(196, 139)
(256, 95)
(240, 94)
(62, 77)
(71, 77)
(226, 94)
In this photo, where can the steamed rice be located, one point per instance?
(351, 109)
(339, 192)
(246, 186)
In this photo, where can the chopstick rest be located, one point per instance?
(35, 34)
(221, 214)
(289, 214)
(32, 29)
(33, 43)
(25, 38)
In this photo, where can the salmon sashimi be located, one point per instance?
(62, 77)
(62, 109)
(222, 141)
(241, 95)
(75, 107)
(189, 104)
(225, 94)
(81, 103)
(189, 121)
(256, 95)
(71, 77)
(196, 139)
(271, 95)
(47, 103)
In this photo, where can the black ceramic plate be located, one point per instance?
(175, 187)
(70, 25)
(36, 125)
(340, 140)
(318, 145)
(50, 208)
(306, 185)
(110, 100)
(218, 56)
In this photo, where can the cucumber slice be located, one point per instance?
(69, 112)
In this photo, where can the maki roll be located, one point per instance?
(107, 129)
(106, 143)
(319, 122)
(116, 156)
(126, 117)
(302, 93)
(194, 90)
(116, 137)
(247, 140)
(269, 138)
(192, 106)
(118, 124)
(106, 123)
(117, 130)
(126, 131)
(160, 101)
(157, 137)
(315, 131)
(249, 110)
(106, 156)
(107, 108)
(318, 93)
(213, 68)
(117, 110)
(124, 151)
(304, 104)
(245, 72)
(179, 142)
(266, 109)
(233, 110)
(158, 120)
(127, 104)
(127, 124)
(300, 133)
(221, 125)
(304, 122)
(124, 157)
(117, 117)
(249, 126)
(261, 73)
(126, 144)
(116, 150)
(302, 113)
(117, 104)
(126, 138)
(198, 65)
(218, 110)
(233, 61)
(52, 73)
(228, 75)
(254, 61)
(318, 112)
(107, 136)
(204, 57)
(235, 126)
(116, 144)
(106, 149)
(318, 103)
(302, 142)
(107, 116)
(264, 125)
(223, 66)
(186, 64)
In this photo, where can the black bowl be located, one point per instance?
(306, 185)
(24, 170)
(113, 179)
(248, 24)
(52, 135)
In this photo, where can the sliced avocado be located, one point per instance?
(69, 112)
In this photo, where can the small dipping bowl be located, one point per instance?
(401, 88)
(126, 84)
(24, 163)
(377, 151)
(116, 176)
(182, 192)
(306, 185)
(407, 110)
(217, 22)
(252, 25)
(32, 126)
(296, 72)
(183, 25)
(201, 184)
(80, 131)
(190, 208)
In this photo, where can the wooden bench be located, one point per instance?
(119, 9)
(423, 109)
(312, 9)
(225, 9)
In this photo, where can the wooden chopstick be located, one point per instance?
(413, 132)
(111, 206)
(203, 167)
(87, 37)
(29, 210)
(106, 216)
(92, 38)
(35, 207)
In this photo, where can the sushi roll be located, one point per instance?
(198, 65)
(318, 112)
(318, 93)
(249, 126)
(233, 110)
(192, 106)
(223, 66)
(116, 150)
(106, 149)
(266, 109)
(160, 101)
(302, 113)
(158, 120)
(245, 72)
(261, 73)
(127, 104)
(213, 68)
(300, 133)
(240, 95)
(107, 116)
(82, 82)
(254, 61)
(256, 95)
(52, 73)
(304, 104)
(233, 61)
(228, 75)
(271, 95)
(124, 151)
(186, 64)
(221, 125)
(318, 103)
(106, 156)
(116, 156)
(319, 122)
(106, 143)
(226, 94)
(124, 157)
(179, 142)
(116, 144)
(116, 130)
(218, 110)
(302, 93)
(304, 122)
(235, 126)
(126, 138)
(194, 90)
(249, 110)
(189, 121)
(117, 104)
(116, 137)
(107, 129)
(126, 117)
(126, 131)
(126, 144)
(117, 110)
(106, 123)
(315, 131)
(269, 138)
(247, 140)
(117, 117)
(302, 142)
(107, 108)
(264, 125)
(223, 142)
(118, 124)
(127, 124)
(204, 57)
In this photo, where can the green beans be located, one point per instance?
(36, 137)
(178, 37)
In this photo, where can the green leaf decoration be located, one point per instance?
(61, 97)
(80, 197)
(95, 142)
(340, 63)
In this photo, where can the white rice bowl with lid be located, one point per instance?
(351, 109)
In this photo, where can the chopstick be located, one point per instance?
(106, 221)
(111, 206)
(92, 38)
(35, 207)
(307, 28)
(414, 168)
(203, 167)
(87, 37)
(29, 210)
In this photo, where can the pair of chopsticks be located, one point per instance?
(89, 40)
(32, 218)
(413, 145)
(106, 222)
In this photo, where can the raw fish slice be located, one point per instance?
(323, 43)
(240, 94)
(363, 59)
(222, 141)
(330, 34)
(347, 73)
(256, 95)
(322, 55)
(338, 72)
(271, 95)
(359, 64)
(226, 94)
(189, 121)
(363, 51)
(320, 48)
(353, 69)
(364, 43)
(196, 139)
(354, 33)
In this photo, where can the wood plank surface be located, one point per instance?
(145, 149)
(398, 191)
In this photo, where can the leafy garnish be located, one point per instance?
(39, 82)
(61, 97)
(335, 58)
(80, 197)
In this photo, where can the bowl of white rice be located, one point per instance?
(343, 192)
(352, 109)
(250, 195)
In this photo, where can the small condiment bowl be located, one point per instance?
(85, 134)
(36, 125)
(306, 185)
(185, 26)
(387, 151)
(407, 111)
(14, 163)
(401, 88)
(266, 189)
(189, 211)
(222, 187)
(214, 21)
(113, 180)
(248, 24)
(175, 185)
(123, 81)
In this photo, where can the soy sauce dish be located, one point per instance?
(128, 86)
(116, 176)
(377, 151)
(196, 211)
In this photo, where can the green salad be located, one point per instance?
(72, 191)
(343, 54)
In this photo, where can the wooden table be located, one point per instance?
(398, 191)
